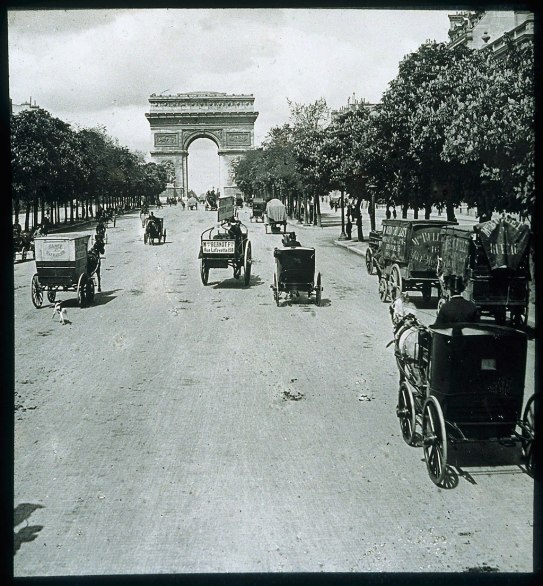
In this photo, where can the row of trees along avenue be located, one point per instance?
(455, 126)
(54, 166)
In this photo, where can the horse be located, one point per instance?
(93, 260)
(411, 341)
(23, 242)
(152, 230)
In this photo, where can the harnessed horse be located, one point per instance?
(93, 260)
(411, 342)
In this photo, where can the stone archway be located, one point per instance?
(178, 120)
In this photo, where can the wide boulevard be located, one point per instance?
(172, 427)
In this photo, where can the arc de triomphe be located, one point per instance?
(178, 120)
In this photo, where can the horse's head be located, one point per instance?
(98, 247)
(400, 308)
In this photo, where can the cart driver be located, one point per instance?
(234, 231)
(457, 309)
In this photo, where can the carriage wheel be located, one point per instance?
(426, 292)
(36, 291)
(383, 289)
(51, 295)
(204, 271)
(145, 238)
(275, 290)
(406, 414)
(318, 289)
(247, 264)
(164, 237)
(369, 261)
(89, 293)
(434, 440)
(395, 282)
(82, 290)
(528, 434)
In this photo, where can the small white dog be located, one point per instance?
(61, 312)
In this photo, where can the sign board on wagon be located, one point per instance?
(226, 208)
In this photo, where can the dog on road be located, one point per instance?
(61, 312)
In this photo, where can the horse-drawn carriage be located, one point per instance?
(461, 383)
(373, 252)
(211, 202)
(295, 271)
(154, 230)
(276, 214)
(491, 261)
(408, 258)
(258, 209)
(227, 246)
(64, 262)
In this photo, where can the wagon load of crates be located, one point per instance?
(491, 261)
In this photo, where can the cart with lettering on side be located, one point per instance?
(491, 261)
(227, 245)
(409, 253)
(61, 263)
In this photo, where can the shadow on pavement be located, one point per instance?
(29, 532)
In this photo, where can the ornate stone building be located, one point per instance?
(178, 120)
(484, 29)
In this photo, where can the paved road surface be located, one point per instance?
(172, 427)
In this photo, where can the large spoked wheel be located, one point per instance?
(383, 289)
(51, 295)
(204, 271)
(369, 261)
(247, 262)
(82, 290)
(37, 292)
(434, 440)
(275, 290)
(318, 289)
(528, 434)
(395, 282)
(89, 293)
(406, 413)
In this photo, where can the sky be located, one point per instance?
(98, 67)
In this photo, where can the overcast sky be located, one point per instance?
(99, 67)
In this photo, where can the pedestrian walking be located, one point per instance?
(349, 228)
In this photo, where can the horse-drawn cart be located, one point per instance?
(461, 383)
(62, 262)
(227, 246)
(409, 253)
(154, 230)
(276, 214)
(491, 261)
(295, 272)
(258, 209)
